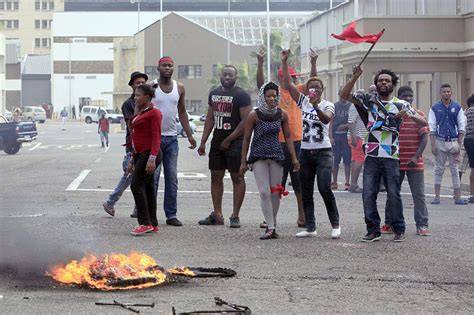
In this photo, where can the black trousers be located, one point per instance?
(143, 191)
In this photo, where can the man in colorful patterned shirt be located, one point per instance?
(414, 133)
(382, 116)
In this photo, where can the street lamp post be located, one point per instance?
(70, 75)
(228, 34)
(138, 12)
(161, 28)
(269, 78)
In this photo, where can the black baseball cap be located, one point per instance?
(137, 74)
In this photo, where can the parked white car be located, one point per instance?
(34, 113)
(91, 114)
(113, 116)
(193, 117)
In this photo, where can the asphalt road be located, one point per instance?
(50, 199)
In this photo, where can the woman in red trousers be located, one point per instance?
(146, 140)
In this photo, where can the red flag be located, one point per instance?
(352, 36)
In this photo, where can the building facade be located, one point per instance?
(29, 22)
(91, 65)
(3, 90)
(196, 50)
(426, 42)
(198, 5)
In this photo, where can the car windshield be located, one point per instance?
(110, 111)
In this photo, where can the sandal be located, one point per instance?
(347, 186)
(333, 186)
(263, 225)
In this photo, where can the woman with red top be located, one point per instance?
(146, 139)
(104, 130)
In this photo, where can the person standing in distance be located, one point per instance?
(447, 127)
(169, 99)
(229, 106)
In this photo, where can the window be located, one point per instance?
(9, 5)
(37, 5)
(2, 6)
(8, 24)
(51, 5)
(16, 24)
(44, 6)
(37, 23)
(189, 72)
(15, 5)
(44, 24)
(37, 42)
(45, 42)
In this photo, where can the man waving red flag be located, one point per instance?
(352, 36)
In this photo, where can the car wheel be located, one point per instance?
(30, 119)
(12, 148)
(183, 134)
(88, 120)
(42, 121)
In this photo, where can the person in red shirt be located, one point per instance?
(414, 133)
(146, 140)
(103, 131)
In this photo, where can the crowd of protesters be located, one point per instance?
(294, 130)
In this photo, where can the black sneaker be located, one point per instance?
(173, 222)
(211, 220)
(399, 237)
(371, 237)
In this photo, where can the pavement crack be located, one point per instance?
(291, 298)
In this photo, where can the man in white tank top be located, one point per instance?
(169, 99)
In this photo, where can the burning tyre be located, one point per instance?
(124, 272)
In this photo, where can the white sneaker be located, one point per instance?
(306, 234)
(336, 233)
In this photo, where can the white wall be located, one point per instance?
(83, 51)
(99, 88)
(2, 74)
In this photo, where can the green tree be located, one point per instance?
(246, 74)
(275, 49)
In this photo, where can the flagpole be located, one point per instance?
(368, 52)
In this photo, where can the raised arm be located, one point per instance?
(347, 89)
(313, 57)
(260, 75)
(287, 84)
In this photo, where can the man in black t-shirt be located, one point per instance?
(229, 106)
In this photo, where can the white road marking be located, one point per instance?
(76, 182)
(36, 146)
(23, 215)
(160, 191)
(98, 159)
(230, 192)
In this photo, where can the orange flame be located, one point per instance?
(115, 272)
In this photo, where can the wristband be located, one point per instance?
(151, 158)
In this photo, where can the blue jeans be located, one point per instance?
(123, 183)
(169, 152)
(374, 170)
(317, 164)
(416, 180)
